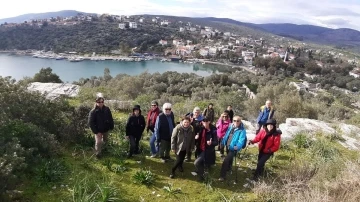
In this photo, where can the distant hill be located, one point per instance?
(31, 16)
(342, 38)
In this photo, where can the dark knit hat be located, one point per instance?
(154, 102)
(136, 107)
(205, 119)
(271, 121)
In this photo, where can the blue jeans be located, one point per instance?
(153, 145)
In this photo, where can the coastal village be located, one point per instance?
(214, 46)
(251, 116)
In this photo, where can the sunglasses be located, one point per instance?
(99, 102)
(168, 109)
(153, 105)
(236, 120)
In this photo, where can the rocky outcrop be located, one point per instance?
(55, 90)
(293, 126)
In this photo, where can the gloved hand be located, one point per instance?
(250, 142)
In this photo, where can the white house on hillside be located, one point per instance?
(355, 73)
(163, 42)
(193, 29)
(132, 25)
(204, 52)
(122, 25)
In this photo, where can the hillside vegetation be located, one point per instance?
(46, 147)
(86, 37)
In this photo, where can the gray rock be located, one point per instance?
(54, 90)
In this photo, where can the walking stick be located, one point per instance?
(236, 180)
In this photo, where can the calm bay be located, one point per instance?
(20, 66)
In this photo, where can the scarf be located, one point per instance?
(149, 121)
(203, 140)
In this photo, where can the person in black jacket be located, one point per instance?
(205, 147)
(209, 113)
(231, 112)
(164, 127)
(100, 122)
(134, 128)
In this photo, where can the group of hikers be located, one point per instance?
(197, 133)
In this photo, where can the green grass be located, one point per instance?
(112, 177)
(185, 187)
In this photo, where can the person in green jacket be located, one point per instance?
(182, 141)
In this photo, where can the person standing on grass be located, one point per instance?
(231, 112)
(209, 113)
(151, 119)
(100, 122)
(182, 140)
(164, 126)
(222, 125)
(269, 142)
(234, 141)
(134, 128)
(205, 147)
(266, 112)
(196, 119)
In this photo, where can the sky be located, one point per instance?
(327, 13)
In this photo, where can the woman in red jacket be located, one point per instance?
(269, 142)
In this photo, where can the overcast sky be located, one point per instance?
(328, 13)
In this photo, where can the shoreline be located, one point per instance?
(73, 57)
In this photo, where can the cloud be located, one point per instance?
(336, 22)
(336, 11)
(191, 1)
(320, 12)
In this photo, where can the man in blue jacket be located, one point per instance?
(266, 112)
(163, 130)
(234, 140)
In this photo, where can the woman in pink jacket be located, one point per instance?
(222, 125)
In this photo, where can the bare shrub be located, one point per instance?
(346, 187)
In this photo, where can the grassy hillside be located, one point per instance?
(112, 177)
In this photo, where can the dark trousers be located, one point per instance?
(200, 163)
(188, 155)
(262, 158)
(134, 144)
(165, 147)
(179, 161)
(226, 165)
(221, 147)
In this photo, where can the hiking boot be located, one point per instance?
(221, 179)
(188, 160)
(167, 158)
(172, 175)
(98, 156)
(163, 160)
(153, 155)
(181, 169)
